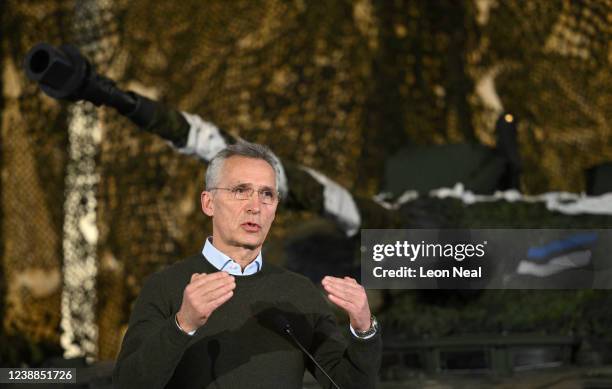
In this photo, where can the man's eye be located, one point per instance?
(268, 194)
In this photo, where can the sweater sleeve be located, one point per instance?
(153, 345)
(352, 363)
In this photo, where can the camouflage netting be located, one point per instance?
(337, 86)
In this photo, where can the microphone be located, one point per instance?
(283, 324)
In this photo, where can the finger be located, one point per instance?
(198, 275)
(194, 276)
(346, 281)
(207, 288)
(214, 276)
(199, 290)
(342, 284)
(355, 294)
(345, 293)
(351, 280)
(330, 279)
(214, 294)
(214, 304)
(209, 278)
(346, 305)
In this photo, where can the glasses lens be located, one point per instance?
(242, 193)
(267, 196)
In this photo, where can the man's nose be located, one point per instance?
(254, 202)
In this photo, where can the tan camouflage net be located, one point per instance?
(337, 86)
(33, 159)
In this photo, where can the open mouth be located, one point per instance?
(250, 227)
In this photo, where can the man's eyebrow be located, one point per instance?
(243, 185)
(249, 185)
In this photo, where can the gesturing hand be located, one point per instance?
(204, 294)
(350, 296)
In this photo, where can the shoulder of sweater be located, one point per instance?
(180, 269)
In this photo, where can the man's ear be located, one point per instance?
(207, 203)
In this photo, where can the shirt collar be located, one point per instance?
(222, 262)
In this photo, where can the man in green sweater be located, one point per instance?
(219, 319)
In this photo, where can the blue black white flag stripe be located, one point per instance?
(572, 252)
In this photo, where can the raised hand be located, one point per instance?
(351, 297)
(204, 294)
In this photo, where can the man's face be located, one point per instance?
(241, 223)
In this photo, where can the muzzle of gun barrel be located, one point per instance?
(60, 73)
(64, 74)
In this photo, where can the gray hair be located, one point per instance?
(242, 149)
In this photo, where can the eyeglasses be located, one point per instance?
(241, 192)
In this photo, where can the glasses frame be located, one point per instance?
(249, 191)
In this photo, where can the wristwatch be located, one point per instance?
(370, 331)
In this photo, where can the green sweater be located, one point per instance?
(240, 346)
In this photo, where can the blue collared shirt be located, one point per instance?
(222, 262)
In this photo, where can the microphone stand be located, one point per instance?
(289, 331)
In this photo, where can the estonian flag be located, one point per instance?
(571, 253)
